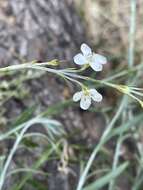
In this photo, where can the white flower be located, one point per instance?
(88, 57)
(86, 96)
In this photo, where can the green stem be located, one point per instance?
(100, 144)
(131, 53)
(132, 33)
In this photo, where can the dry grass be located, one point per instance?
(107, 26)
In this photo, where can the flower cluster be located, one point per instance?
(96, 62)
(87, 58)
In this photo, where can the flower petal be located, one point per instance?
(96, 96)
(96, 66)
(85, 102)
(86, 50)
(79, 59)
(99, 59)
(77, 96)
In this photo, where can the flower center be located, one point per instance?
(86, 92)
(89, 58)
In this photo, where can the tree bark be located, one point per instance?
(44, 30)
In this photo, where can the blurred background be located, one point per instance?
(43, 30)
